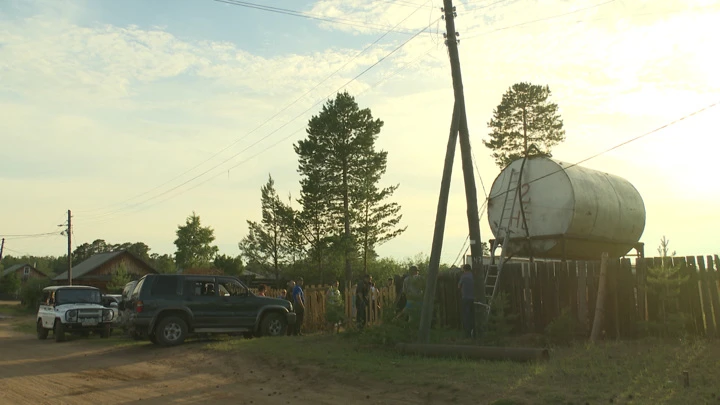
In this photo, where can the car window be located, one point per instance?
(230, 287)
(138, 288)
(77, 296)
(200, 288)
(164, 286)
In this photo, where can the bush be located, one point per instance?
(564, 329)
(499, 323)
(31, 292)
(10, 285)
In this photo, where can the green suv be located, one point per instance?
(165, 308)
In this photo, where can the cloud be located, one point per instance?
(111, 111)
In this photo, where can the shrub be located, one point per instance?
(564, 329)
(31, 292)
(10, 285)
(499, 322)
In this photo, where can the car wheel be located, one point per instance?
(171, 331)
(273, 324)
(59, 331)
(42, 333)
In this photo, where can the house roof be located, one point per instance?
(92, 263)
(11, 269)
(15, 268)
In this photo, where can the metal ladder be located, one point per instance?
(492, 276)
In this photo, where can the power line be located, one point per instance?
(285, 11)
(254, 130)
(271, 133)
(620, 144)
(29, 235)
(538, 20)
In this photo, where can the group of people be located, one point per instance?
(366, 297)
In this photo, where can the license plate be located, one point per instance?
(89, 323)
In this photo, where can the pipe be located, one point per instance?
(475, 352)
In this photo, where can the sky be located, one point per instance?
(134, 114)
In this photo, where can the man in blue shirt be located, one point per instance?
(298, 299)
(467, 292)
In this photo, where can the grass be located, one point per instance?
(638, 372)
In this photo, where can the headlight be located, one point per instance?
(107, 315)
(71, 316)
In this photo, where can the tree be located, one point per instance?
(10, 284)
(665, 282)
(377, 220)
(194, 244)
(524, 124)
(334, 162)
(229, 265)
(164, 264)
(265, 245)
(120, 277)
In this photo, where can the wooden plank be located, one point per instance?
(712, 286)
(694, 287)
(572, 287)
(612, 327)
(641, 283)
(582, 295)
(706, 299)
(627, 305)
(548, 298)
(538, 324)
(592, 287)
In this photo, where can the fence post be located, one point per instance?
(599, 306)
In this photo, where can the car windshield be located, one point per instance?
(77, 296)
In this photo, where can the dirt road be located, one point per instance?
(84, 372)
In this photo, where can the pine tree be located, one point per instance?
(335, 166)
(266, 243)
(524, 124)
(194, 244)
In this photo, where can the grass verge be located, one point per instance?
(639, 372)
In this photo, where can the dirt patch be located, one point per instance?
(79, 372)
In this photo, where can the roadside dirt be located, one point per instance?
(81, 372)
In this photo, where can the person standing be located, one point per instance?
(289, 297)
(467, 293)
(299, 303)
(362, 300)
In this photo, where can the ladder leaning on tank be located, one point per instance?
(492, 275)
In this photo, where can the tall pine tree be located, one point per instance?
(340, 169)
(524, 124)
(266, 243)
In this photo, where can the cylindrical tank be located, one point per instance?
(571, 212)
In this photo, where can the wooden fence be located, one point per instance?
(538, 293)
(315, 306)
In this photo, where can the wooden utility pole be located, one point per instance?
(459, 124)
(69, 247)
(2, 247)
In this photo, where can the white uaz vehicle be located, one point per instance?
(72, 309)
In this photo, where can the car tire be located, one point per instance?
(273, 324)
(42, 333)
(59, 331)
(171, 331)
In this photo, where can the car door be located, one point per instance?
(202, 299)
(47, 310)
(241, 306)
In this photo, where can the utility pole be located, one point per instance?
(2, 247)
(69, 252)
(459, 124)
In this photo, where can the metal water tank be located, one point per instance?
(571, 212)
